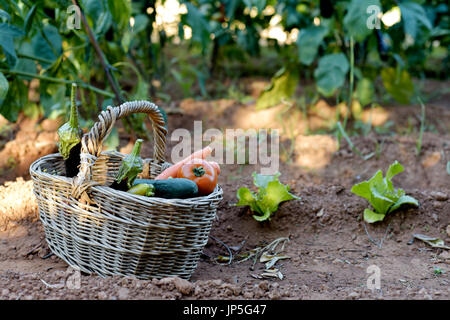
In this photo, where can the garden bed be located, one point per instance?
(329, 247)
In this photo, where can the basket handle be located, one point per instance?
(92, 142)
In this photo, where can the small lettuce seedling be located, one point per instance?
(381, 194)
(271, 193)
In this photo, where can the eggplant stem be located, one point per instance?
(137, 148)
(73, 107)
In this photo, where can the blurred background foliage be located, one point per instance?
(166, 50)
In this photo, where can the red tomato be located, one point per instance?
(202, 173)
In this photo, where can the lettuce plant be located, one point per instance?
(271, 192)
(381, 194)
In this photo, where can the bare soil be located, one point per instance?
(329, 248)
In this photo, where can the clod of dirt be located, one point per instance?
(445, 255)
(353, 295)
(439, 196)
(184, 286)
(123, 293)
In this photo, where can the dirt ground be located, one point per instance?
(329, 248)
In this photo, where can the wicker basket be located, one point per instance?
(110, 232)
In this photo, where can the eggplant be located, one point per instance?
(131, 166)
(70, 138)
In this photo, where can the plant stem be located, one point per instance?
(342, 132)
(422, 127)
(57, 80)
(350, 94)
(111, 79)
(27, 56)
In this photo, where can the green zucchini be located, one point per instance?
(175, 188)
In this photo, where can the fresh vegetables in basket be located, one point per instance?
(70, 138)
(191, 177)
(131, 166)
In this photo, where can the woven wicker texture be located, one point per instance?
(110, 232)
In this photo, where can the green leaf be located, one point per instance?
(12, 7)
(276, 192)
(308, 43)
(404, 200)
(230, 8)
(381, 194)
(29, 18)
(32, 111)
(271, 193)
(16, 98)
(126, 40)
(4, 87)
(47, 45)
(262, 180)
(264, 217)
(380, 199)
(356, 19)
(121, 12)
(371, 217)
(103, 23)
(413, 15)
(432, 241)
(25, 65)
(142, 90)
(258, 4)
(7, 34)
(330, 73)
(282, 87)
(199, 25)
(365, 91)
(247, 198)
(53, 100)
(140, 23)
(398, 84)
(7, 43)
(394, 169)
(10, 30)
(4, 15)
(363, 190)
(248, 39)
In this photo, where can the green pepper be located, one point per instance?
(70, 138)
(131, 166)
(143, 189)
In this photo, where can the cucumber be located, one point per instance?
(175, 188)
